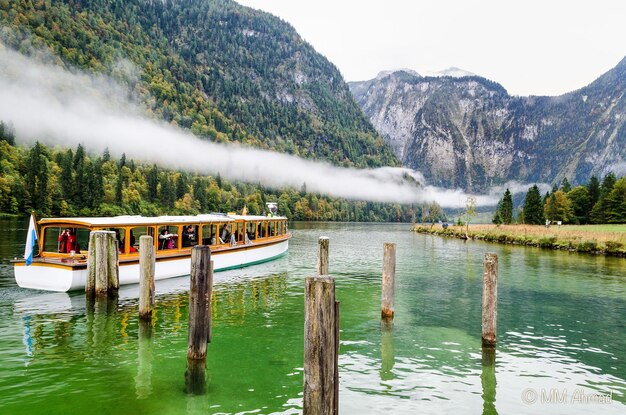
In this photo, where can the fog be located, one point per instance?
(49, 104)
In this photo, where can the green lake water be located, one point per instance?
(561, 329)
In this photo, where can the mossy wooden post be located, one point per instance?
(319, 345)
(102, 265)
(113, 263)
(90, 282)
(322, 258)
(490, 299)
(389, 278)
(146, 277)
(199, 302)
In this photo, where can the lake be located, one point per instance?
(561, 334)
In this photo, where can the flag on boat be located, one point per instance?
(31, 239)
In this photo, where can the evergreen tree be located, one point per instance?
(152, 179)
(7, 133)
(81, 188)
(579, 196)
(182, 186)
(615, 203)
(533, 207)
(504, 210)
(37, 178)
(565, 185)
(67, 176)
(593, 187)
(607, 184)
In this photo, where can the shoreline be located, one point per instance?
(563, 238)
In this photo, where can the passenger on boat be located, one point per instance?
(189, 236)
(68, 242)
(167, 239)
(226, 236)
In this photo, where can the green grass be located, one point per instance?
(597, 228)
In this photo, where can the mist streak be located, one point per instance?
(49, 104)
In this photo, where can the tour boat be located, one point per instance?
(236, 241)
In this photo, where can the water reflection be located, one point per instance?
(488, 380)
(143, 380)
(387, 351)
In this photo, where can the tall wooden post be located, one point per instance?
(199, 301)
(90, 283)
(319, 345)
(490, 299)
(322, 258)
(102, 265)
(389, 277)
(146, 277)
(113, 263)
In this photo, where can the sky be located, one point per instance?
(531, 47)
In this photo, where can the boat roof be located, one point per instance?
(155, 220)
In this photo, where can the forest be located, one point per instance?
(593, 202)
(72, 182)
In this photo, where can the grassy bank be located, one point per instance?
(593, 239)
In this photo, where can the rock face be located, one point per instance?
(469, 132)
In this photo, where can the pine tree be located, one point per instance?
(593, 187)
(37, 178)
(152, 179)
(533, 207)
(565, 185)
(505, 208)
(579, 196)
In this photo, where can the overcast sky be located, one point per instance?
(531, 47)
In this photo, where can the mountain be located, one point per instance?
(469, 132)
(224, 71)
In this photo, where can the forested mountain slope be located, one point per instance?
(227, 72)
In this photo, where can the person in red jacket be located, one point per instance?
(68, 242)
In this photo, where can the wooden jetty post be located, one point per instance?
(389, 278)
(90, 283)
(147, 260)
(113, 280)
(322, 258)
(102, 264)
(320, 346)
(200, 292)
(490, 299)
(199, 302)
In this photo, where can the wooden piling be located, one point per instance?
(389, 277)
(113, 263)
(320, 346)
(490, 299)
(199, 301)
(90, 283)
(102, 265)
(322, 258)
(146, 277)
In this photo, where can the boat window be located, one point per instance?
(190, 235)
(279, 228)
(65, 239)
(135, 233)
(251, 230)
(225, 232)
(168, 237)
(239, 233)
(263, 230)
(120, 235)
(272, 228)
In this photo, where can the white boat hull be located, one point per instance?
(52, 277)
